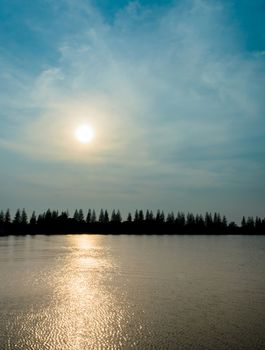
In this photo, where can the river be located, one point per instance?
(122, 292)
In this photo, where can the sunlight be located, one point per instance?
(85, 246)
(84, 133)
(84, 242)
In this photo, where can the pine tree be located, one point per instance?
(2, 217)
(64, 216)
(141, 216)
(217, 220)
(7, 217)
(48, 216)
(199, 221)
(224, 222)
(208, 220)
(101, 216)
(160, 216)
(24, 217)
(118, 216)
(182, 219)
(170, 218)
(190, 219)
(250, 222)
(54, 215)
(17, 217)
(80, 215)
(88, 217)
(151, 216)
(113, 216)
(33, 219)
(129, 218)
(93, 217)
(106, 217)
(40, 219)
(257, 223)
(76, 215)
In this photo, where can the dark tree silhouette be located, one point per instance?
(116, 217)
(51, 222)
(55, 215)
(129, 218)
(113, 216)
(48, 216)
(106, 217)
(33, 219)
(190, 220)
(80, 215)
(76, 215)
(136, 216)
(93, 217)
(170, 218)
(160, 216)
(40, 219)
(24, 217)
(250, 222)
(151, 216)
(208, 220)
(224, 223)
(180, 220)
(7, 217)
(101, 217)
(141, 216)
(2, 217)
(88, 217)
(17, 217)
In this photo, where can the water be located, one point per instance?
(121, 292)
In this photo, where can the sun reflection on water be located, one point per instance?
(84, 242)
(88, 310)
(79, 302)
(86, 250)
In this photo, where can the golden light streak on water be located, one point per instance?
(85, 292)
(92, 319)
(73, 305)
(84, 242)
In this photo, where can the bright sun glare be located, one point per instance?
(84, 133)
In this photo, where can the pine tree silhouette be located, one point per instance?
(88, 217)
(106, 217)
(24, 217)
(93, 217)
(101, 217)
(2, 217)
(7, 217)
(33, 219)
(17, 217)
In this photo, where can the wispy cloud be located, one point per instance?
(170, 90)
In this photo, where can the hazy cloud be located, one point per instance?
(171, 91)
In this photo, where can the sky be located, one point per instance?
(174, 91)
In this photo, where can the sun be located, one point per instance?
(84, 133)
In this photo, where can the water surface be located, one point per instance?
(121, 292)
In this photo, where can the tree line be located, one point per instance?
(53, 222)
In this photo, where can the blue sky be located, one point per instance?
(174, 90)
